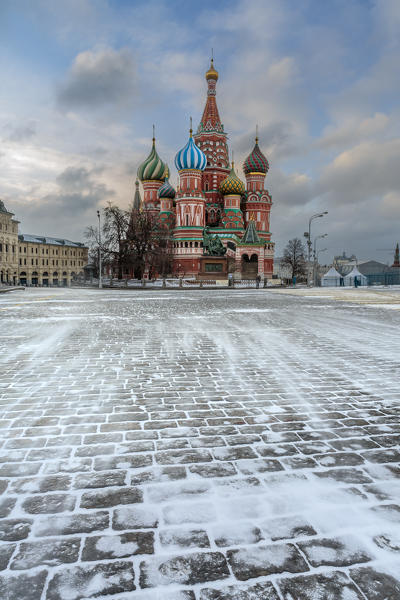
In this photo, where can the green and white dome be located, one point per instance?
(153, 168)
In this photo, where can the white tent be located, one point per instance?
(355, 273)
(331, 278)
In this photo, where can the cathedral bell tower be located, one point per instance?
(211, 139)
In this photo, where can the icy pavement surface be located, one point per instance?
(198, 445)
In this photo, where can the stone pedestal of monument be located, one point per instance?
(213, 267)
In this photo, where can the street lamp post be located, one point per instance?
(315, 263)
(309, 243)
(100, 265)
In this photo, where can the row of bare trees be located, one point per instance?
(130, 241)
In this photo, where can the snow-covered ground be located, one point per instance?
(200, 445)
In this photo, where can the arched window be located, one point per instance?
(187, 220)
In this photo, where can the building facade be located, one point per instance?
(37, 260)
(211, 197)
(8, 246)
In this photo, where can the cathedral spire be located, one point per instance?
(396, 257)
(210, 121)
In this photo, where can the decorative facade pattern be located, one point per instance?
(210, 194)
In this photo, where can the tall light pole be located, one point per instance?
(318, 237)
(100, 265)
(307, 235)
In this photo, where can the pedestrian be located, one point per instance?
(258, 279)
(294, 281)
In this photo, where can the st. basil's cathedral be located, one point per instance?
(211, 201)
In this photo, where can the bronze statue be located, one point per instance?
(212, 244)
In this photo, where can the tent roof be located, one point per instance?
(332, 273)
(355, 273)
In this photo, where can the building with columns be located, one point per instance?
(37, 260)
(210, 195)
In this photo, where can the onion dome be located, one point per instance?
(232, 184)
(190, 157)
(153, 168)
(166, 190)
(256, 162)
(212, 73)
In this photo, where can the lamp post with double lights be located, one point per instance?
(315, 263)
(100, 265)
(307, 235)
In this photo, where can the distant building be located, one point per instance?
(344, 264)
(37, 260)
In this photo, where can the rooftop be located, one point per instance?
(38, 239)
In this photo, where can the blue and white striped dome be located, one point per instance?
(190, 157)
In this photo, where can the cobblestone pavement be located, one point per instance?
(198, 445)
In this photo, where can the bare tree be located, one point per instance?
(113, 238)
(294, 258)
(149, 244)
(134, 240)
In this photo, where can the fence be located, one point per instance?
(390, 278)
(169, 283)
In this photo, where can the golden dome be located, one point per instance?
(212, 73)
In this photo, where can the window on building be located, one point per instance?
(1, 247)
(24, 261)
(32, 261)
(25, 249)
(36, 250)
(187, 220)
(47, 250)
(6, 247)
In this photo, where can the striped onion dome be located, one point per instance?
(190, 157)
(166, 190)
(153, 168)
(256, 162)
(232, 184)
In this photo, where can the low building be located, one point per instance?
(37, 260)
(8, 246)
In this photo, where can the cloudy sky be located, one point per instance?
(82, 82)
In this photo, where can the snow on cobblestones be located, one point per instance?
(199, 445)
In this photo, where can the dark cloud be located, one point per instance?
(68, 211)
(99, 78)
(277, 140)
(20, 133)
